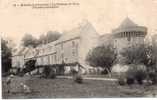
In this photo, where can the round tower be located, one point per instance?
(128, 34)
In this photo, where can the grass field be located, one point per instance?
(66, 88)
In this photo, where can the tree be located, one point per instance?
(135, 55)
(103, 56)
(42, 39)
(49, 37)
(52, 36)
(29, 40)
(142, 54)
(6, 56)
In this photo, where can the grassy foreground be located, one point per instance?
(66, 88)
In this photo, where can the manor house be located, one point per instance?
(74, 45)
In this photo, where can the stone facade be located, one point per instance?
(74, 45)
(18, 57)
(71, 47)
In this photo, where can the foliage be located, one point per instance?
(130, 80)
(49, 37)
(102, 56)
(121, 81)
(142, 54)
(6, 56)
(29, 66)
(49, 72)
(140, 76)
(135, 55)
(136, 72)
(29, 40)
(153, 77)
(104, 72)
(78, 79)
(73, 72)
(52, 36)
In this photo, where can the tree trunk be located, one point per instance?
(109, 72)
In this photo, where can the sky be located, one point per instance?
(104, 15)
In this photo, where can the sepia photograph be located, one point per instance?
(59, 49)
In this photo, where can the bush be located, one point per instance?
(136, 72)
(130, 80)
(104, 71)
(78, 79)
(73, 72)
(153, 77)
(52, 73)
(121, 81)
(140, 75)
(49, 72)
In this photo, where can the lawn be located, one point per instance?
(66, 88)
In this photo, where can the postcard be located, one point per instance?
(78, 49)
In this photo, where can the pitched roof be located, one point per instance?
(20, 51)
(127, 23)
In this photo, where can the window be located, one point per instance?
(52, 60)
(48, 57)
(73, 53)
(62, 46)
(62, 56)
(55, 57)
(73, 44)
(41, 61)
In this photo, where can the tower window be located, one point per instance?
(62, 46)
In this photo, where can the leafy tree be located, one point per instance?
(29, 40)
(142, 54)
(135, 55)
(6, 56)
(52, 36)
(49, 37)
(42, 39)
(102, 56)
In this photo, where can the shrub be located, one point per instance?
(130, 74)
(78, 79)
(73, 72)
(52, 73)
(121, 81)
(140, 75)
(130, 80)
(153, 77)
(104, 71)
(136, 72)
(49, 72)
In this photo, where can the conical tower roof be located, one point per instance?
(127, 23)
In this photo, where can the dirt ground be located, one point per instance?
(66, 88)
